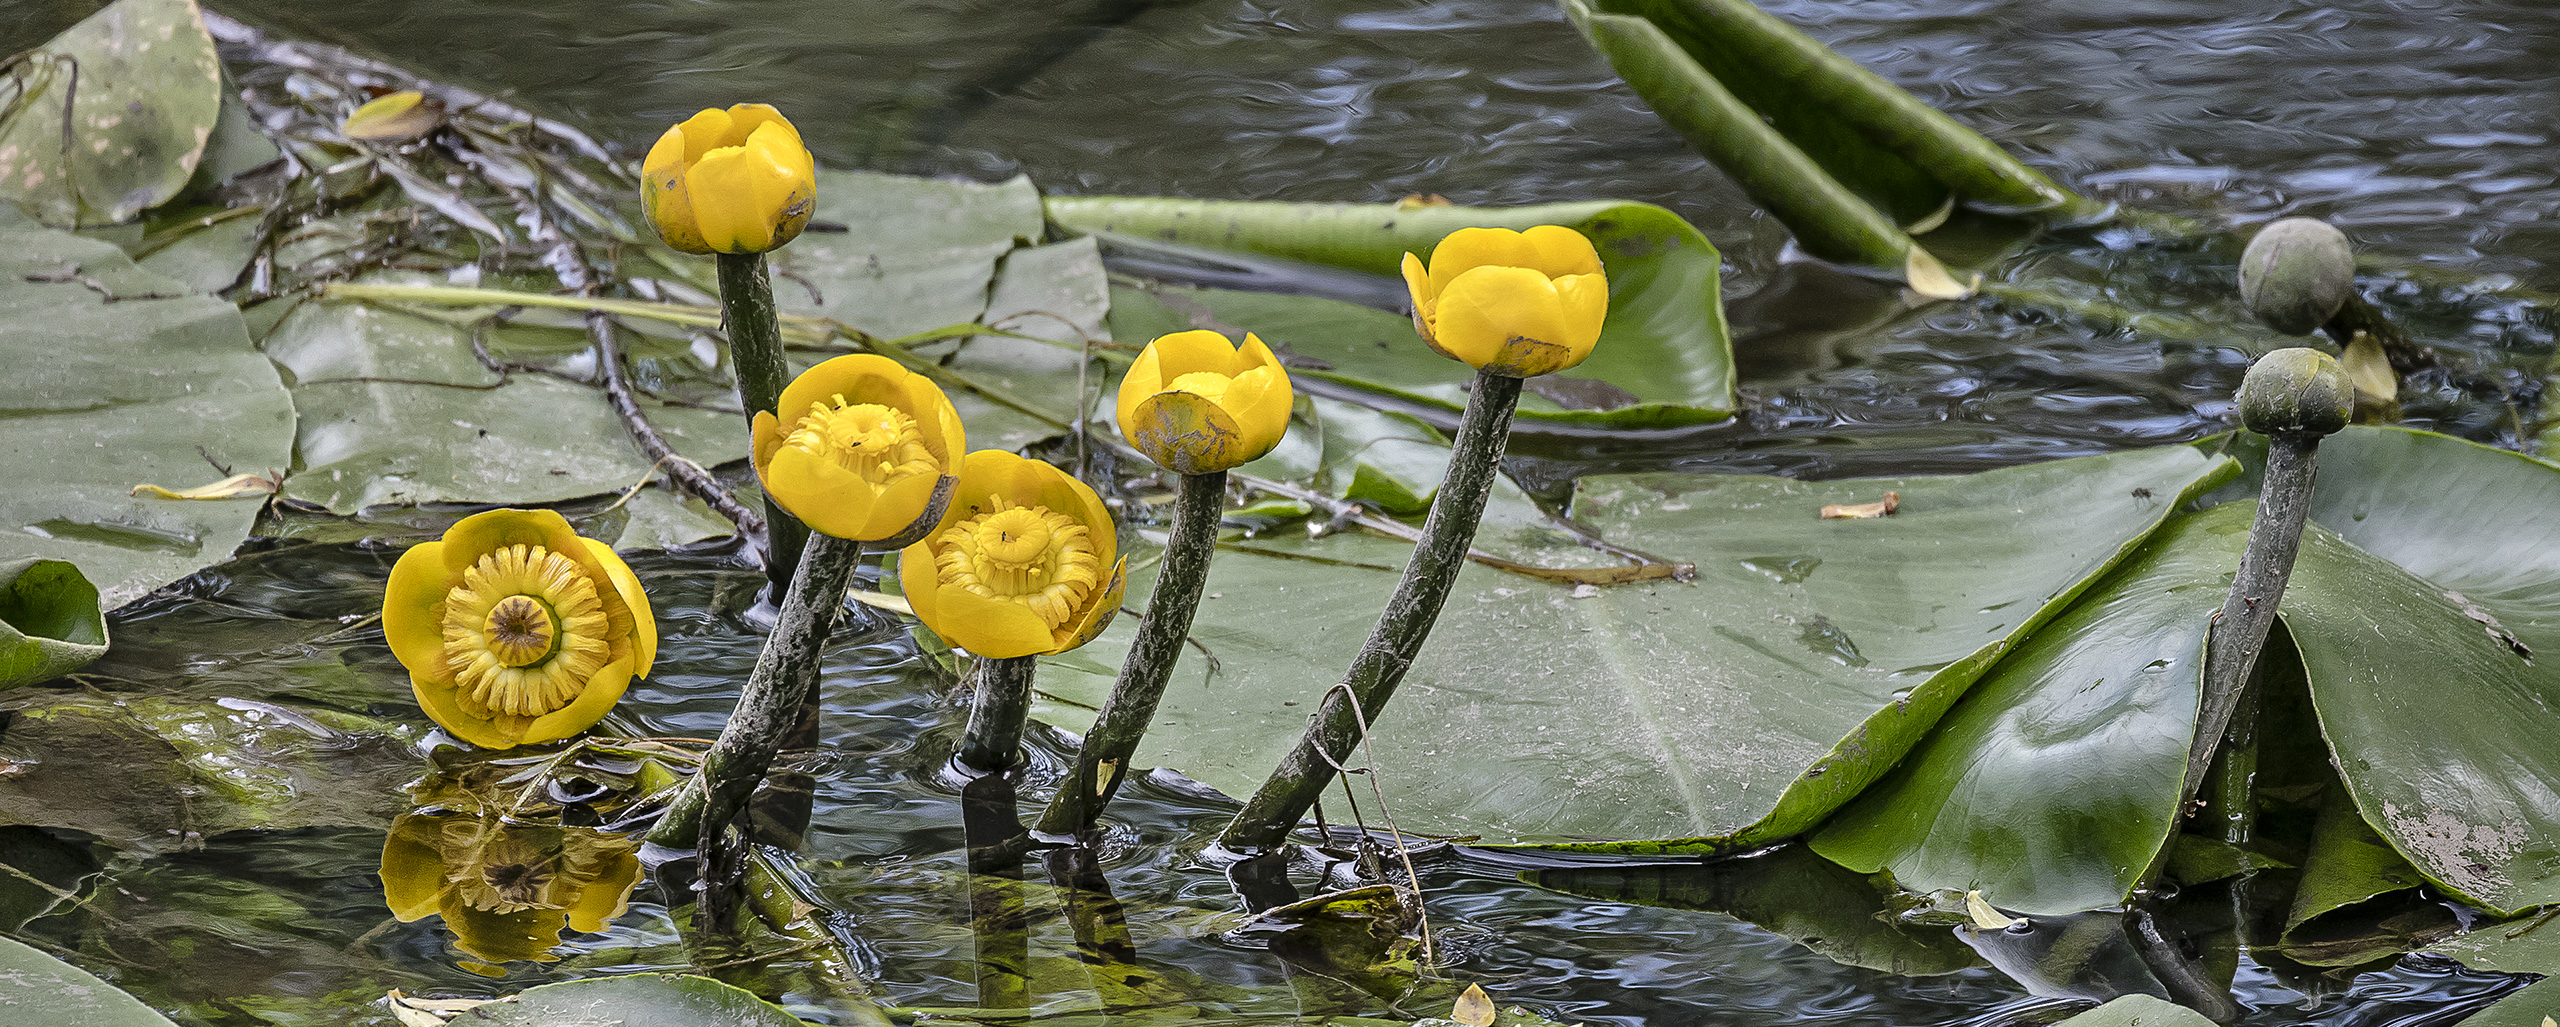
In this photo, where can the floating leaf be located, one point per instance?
(635, 1000)
(163, 386)
(2139, 1011)
(50, 624)
(42, 989)
(1790, 892)
(109, 118)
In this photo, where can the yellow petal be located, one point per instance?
(436, 698)
(1417, 283)
(666, 156)
(724, 187)
(644, 621)
(1260, 401)
(917, 581)
(489, 531)
(668, 201)
(765, 435)
(1098, 615)
(788, 191)
(1187, 433)
(608, 896)
(1561, 251)
(748, 119)
(820, 492)
(858, 377)
(896, 508)
(1064, 493)
(1194, 351)
(992, 628)
(413, 608)
(593, 702)
(1502, 319)
(1469, 248)
(937, 424)
(1145, 378)
(707, 130)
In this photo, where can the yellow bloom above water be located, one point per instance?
(859, 449)
(515, 629)
(1026, 562)
(1196, 403)
(1512, 303)
(733, 181)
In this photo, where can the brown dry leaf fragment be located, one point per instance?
(236, 485)
(1474, 1008)
(2370, 370)
(1860, 511)
(427, 1012)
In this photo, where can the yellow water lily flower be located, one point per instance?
(515, 629)
(733, 181)
(860, 449)
(1026, 562)
(1513, 303)
(506, 889)
(1196, 403)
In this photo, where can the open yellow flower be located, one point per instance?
(516, 630)
(861, 449)
(505, 889)
(733, 181)
(1196, 403)
(1026, 562)
(1513, 303)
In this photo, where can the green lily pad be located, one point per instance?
(2139, 1011)
(2052, 785)
(1664, 350)
(163, 384)
(1803, 662)
(920, 253)
(133, 90)
(50, 623)
(37, 988)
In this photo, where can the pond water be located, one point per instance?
(2422, 128)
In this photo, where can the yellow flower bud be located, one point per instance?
(515, 630)
(1026, 562)
(733, 181)
(861, 449)
(1196, 403)
(1512, 303)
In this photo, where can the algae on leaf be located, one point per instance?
(110, 118)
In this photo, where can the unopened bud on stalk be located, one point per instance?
(2296, 274)
(2296, 391)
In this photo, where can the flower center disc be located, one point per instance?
(1024, 554)
(879, 443)
(523, 633)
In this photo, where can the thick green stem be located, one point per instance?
(2240, 630)
(1303, 774)
(1123, 721)
(785, 675)
(755, 347)
(994, 736)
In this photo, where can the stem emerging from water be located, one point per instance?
(785, 676)
(994, 736)
(1104, 760)
(1303, 774)
(755, 347)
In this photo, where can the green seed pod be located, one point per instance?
(2296, 274)
(2296, 391)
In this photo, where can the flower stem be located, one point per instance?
(1125, 716)
(755, 347)
(2249, 612)
(1303, 774)
(994, 736)
(786, 673)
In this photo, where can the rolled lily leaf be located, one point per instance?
(50, 624)
(133, 91)
(1664, 346)
(1844, 158)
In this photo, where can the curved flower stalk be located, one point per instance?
(1199, 405)
(1510, 304)
(1025, 563)
(515, 629)
(1518, 304)
(867, 453)
(735, 184)
(861, 449)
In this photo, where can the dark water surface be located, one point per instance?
(2426, 129)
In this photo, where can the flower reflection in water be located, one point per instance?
(506, 890)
